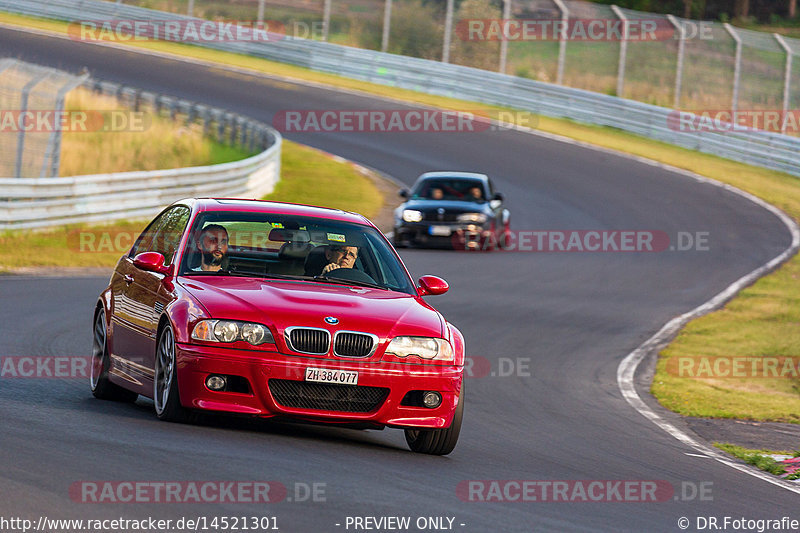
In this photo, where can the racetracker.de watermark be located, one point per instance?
(726, 367)
(582, 30)
(84, 121)
(399, 121)
(192, 31)
(583, 490)
(62, 367)
(204, 492)
(600, 241)
(728, 120)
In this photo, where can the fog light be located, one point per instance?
(431, 399)
(216, 382)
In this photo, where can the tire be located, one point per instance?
(101, 387)
(438, 441)
(165, 380)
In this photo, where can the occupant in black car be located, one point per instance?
(476, 194)
(213, 247)
(436, 193)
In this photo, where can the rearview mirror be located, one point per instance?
(151, 262)
(432, 285)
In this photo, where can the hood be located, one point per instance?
(450, 206)
(283, 304)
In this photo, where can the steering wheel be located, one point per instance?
(350, 274)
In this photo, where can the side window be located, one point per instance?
(145, 241)
(170, 232)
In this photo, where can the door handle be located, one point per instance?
(128, 278)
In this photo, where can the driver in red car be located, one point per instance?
(340, 257)
(213, 246)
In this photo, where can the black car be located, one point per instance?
(458, 209)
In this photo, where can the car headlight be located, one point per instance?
(476, 218)
(411, 215)
(423, 347)
(231, 331)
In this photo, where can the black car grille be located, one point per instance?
(348, 344)
(326, 396)
(433, 216)
(313, 341)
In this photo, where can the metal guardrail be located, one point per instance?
(764, 149)
(44, 202)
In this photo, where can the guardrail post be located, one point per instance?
(623, 51)
(260, 16)
(448, 31)
(562, 41)
(737, 67)
(326, 19)
(23, 108)
(679, 68)
(190, 9)
(387, 24)
(504, 37)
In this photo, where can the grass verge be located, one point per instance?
(759, 458)
(144, 141)
(760, 321)
(307, 176)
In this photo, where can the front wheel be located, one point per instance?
(165, 393)
(102, 387)
(437, 441)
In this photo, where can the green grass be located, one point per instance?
(307, 176)
(750, 325)
(757, 458)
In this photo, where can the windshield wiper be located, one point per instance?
(339, 281)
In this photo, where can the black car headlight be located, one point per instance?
(232, 331)
(412, 215)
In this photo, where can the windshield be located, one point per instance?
(458, 189)
(278, 246)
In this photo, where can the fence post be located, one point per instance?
(23, 108)
(53, 150)
(787, 80)
(679, 68)
(190, 9)
(260, 16)
(387, 24)
(326, 19)
(448, 32)
(562, 41)
(623, 51)
(504, 37)
(737, 68)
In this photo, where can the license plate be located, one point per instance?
(440, 231)
(323, 375)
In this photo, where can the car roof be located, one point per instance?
(261, 206)
(454, 174)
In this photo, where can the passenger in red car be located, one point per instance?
(340, 257)
(213, 246)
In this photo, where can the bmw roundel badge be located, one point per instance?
(331, 320)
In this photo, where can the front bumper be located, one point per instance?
(460, 236)
(195, 363)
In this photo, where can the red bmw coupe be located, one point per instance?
(278, 310)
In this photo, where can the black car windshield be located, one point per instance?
(281, 246)
(454, 189)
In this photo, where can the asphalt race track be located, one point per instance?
(558, 323)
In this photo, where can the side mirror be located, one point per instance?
(151, 262)
(403, 193)
(432, 285)
(497, 200)
(499, 196)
